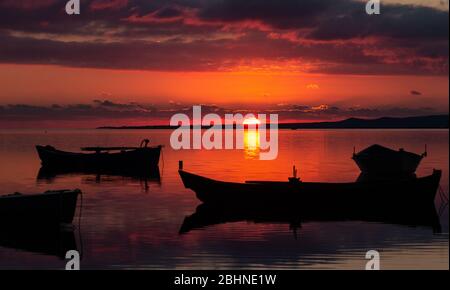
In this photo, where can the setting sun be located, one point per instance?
(251, 121)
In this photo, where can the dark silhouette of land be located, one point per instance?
(421, 122)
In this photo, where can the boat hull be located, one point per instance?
(140, 158)
(397, 166)
(381, 161)
(49, 208)
(344, 195)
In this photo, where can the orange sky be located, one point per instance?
(138, 61)
(47, 84)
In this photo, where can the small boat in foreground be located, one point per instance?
(48, 208)
(379, 160)
(404, 191)
(143, 157)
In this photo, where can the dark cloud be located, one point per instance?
(168, 12)
(395, 21)
(329, 112)
(170, 55)
(278, 14)
(327, 36)
(106, 111)
(415, 93)
(132, 106)
(97, 110)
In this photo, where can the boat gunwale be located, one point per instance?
(434, 173)
(55, 151)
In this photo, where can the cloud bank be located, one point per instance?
(318, 36)
(107, 112)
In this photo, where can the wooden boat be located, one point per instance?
(103, 157)
(207, 215)
(50, 207)
(407, 191)
(378, 160)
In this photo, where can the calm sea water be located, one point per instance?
(131, 223)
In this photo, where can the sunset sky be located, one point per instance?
(137, 62)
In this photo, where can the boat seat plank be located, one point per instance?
(107, 148)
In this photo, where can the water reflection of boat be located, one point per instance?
(51, 240)
(44, 209)
(142, 157)
(407, 191)
(213, 214)
(49, 174)
(379, 160)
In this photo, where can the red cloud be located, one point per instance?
(108, 4)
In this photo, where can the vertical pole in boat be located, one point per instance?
(180, 165)
(294, 177)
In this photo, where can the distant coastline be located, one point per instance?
(421, 122)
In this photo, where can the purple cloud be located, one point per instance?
(198, 35)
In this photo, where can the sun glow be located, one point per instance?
(251, 137)
(251, 144)
(251, 121)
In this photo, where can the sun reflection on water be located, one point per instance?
(251, 143)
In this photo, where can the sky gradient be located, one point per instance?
(134, 60)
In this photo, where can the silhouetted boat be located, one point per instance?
(295, 215)
(405, 191)
(379, 160)
(142, 157)
(50, 207)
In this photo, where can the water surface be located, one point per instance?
(133, 223)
